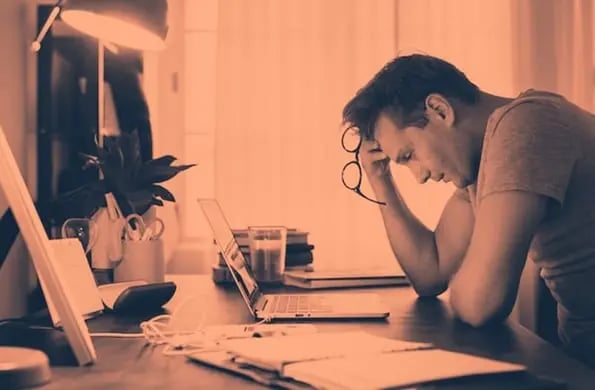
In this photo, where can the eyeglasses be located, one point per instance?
(351, 175)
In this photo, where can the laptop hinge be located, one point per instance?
(261, 303)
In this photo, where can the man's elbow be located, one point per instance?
(429, 290)
(477, 314)
(479, 318)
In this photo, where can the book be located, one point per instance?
(294, 236)
(296, 254)
(344, 278)
(221, 274)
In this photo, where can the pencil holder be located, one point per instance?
(141, 260)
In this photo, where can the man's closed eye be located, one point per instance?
(404, 158)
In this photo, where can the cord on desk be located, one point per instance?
(159, 330)
(162, 330)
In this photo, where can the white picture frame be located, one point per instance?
(42, 255)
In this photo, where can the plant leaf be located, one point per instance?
(163, 193)
(163, 160)
(156, 202)
(158, 174)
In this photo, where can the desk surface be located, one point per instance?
(128, 363)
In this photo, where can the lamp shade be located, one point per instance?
(138, 24)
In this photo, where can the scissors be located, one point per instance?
(141, 230)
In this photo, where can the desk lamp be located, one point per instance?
(138, 24)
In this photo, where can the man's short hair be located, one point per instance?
(400, 89)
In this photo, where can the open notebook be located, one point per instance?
(351, 360)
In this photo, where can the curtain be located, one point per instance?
(475, 37)
(285, 69)
(553, 47)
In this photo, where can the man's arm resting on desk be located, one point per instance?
(429, 258)
(485, 286)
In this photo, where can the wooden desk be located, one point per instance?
(128, 363)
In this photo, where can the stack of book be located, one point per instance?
(298, 253)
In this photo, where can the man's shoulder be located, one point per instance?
(530, 110)
(532, 144)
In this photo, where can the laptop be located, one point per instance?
(284, 306)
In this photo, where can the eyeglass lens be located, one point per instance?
(351, 140)
(351, 175)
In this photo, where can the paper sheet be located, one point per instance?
(394, 369)
(275, 352)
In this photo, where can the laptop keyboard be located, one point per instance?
(299, 304)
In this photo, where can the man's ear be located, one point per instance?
(438, 108)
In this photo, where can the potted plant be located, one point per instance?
(135, 184)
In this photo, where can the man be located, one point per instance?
(524, 169)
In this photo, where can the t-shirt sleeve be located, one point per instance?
(529, 149)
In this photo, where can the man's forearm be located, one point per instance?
(413, 244)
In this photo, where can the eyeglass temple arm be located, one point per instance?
(370, 199)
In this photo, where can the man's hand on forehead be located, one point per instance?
(371, 145)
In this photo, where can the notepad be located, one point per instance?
(72, 266)
(358, 360)
(274, 353)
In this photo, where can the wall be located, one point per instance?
(162, 75)
(284, 71)
(14, 273)
(476, 37)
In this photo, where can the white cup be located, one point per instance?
(141, 260)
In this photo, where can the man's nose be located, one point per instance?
(421, 174)
(423, 177)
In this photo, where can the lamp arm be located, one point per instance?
(36, 44)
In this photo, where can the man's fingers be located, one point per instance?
(377, 155)
(370, 146)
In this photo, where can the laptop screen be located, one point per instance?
(230, 250)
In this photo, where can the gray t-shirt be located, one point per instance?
(542, 143)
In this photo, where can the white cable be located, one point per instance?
(162, 330)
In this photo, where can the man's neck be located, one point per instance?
(476, 119)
